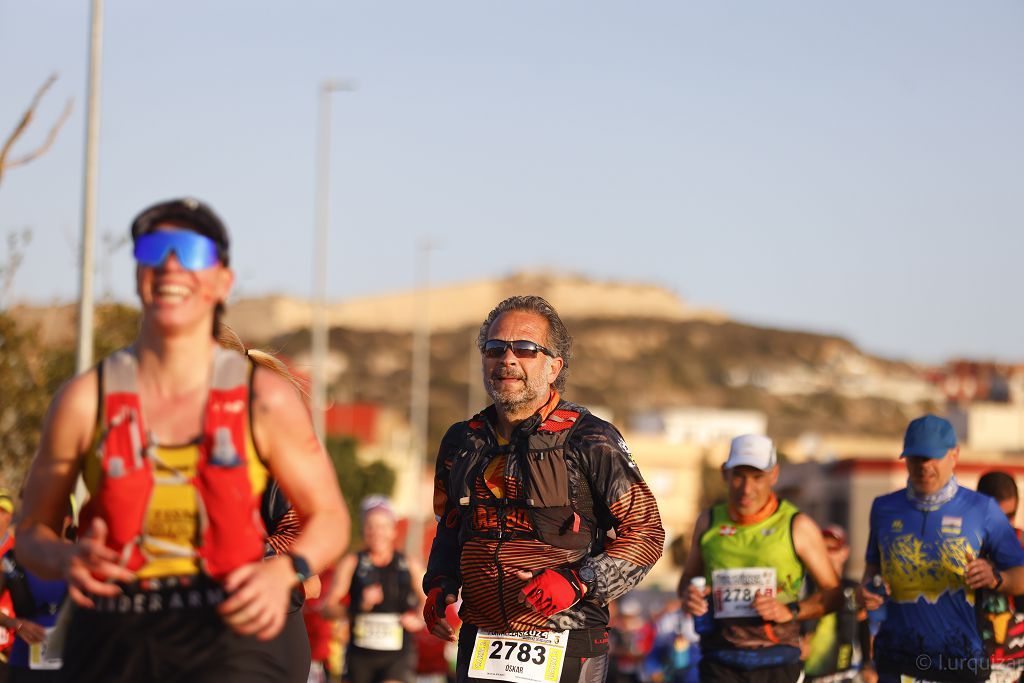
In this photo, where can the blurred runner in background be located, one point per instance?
(630, 638)
(37, 602)
(675, 655)
(6, 608)
(1001, 618)
(927, 542)
(754, 553)
(838, 644)
(322, 628)
(385, 601)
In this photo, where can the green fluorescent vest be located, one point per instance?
(769, 543)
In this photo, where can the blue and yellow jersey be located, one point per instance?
(923, 556)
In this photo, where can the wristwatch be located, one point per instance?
(794, 609)
(301, 567)
(587, 575)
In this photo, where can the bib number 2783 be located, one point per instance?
(522, 657)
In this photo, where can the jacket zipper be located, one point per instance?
(502, 531)
(502, 505)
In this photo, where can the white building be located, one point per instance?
(701, 426)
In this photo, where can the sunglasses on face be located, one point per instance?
(194, 251)
(521, 348)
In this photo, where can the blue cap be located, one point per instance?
(929, 437)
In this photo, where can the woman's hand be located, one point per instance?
(373, 595)
(412, 622)
(91, 566)
(30, 632)
(259, 596)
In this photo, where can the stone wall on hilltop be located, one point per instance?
(454, 306)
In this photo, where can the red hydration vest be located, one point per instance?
(231, 533)
(6, 604)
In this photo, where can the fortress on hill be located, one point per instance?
(455, 306)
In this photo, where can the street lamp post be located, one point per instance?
(83, 354)
(86, 303)
(318, 332)
(419, 407)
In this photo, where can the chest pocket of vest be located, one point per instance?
(554, 517)
(547, 480)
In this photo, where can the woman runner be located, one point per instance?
(36, 602)
(385, 601)
(175, 437)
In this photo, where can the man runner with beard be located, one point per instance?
(525, 494)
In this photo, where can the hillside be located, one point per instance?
(638, 348)
(450, 307)
(803, 381)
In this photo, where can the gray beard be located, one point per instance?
(509, 404)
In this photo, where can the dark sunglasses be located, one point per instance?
(521, 348)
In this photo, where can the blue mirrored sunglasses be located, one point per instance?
(194, 251)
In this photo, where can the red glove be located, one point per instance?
(553, 590)
(435, 606)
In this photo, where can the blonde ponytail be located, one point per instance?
(230, 340)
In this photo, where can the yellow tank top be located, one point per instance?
(171, 528)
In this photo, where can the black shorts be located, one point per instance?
(712, 671)
(190, 645)
(23, 675)
(374, 666)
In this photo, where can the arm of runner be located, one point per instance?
(412, 619)
(868, 672)
(1005, 572)
(693, 601)
(331, 605)
(89, 565)
(872, 565)
(627, 505)
(1013, 581)
(287, 530)
(284, 437)
(26, 630)
(868, 598)
(442, 579)
(810, 548)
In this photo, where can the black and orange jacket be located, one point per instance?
(544, 500)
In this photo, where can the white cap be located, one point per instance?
(752, 450)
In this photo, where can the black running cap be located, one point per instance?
(187, 213)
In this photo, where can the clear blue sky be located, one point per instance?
(850, 167)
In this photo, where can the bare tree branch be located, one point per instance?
(16, 244)
(50, 138)
(23, 125)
